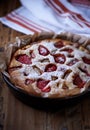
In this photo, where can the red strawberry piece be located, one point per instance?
(50, 68)
(72, 62)
(60, 58)
(41, 84)
(43, 50)
(69, 50)
(86, 60)
(78, 81)
(59, 44)
(23, 58)
(29, 81)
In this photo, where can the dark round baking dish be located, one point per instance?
(44, 103)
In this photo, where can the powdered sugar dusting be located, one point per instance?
(44, 54)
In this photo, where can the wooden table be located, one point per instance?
(14, 115)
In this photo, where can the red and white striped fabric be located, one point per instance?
(49, 15)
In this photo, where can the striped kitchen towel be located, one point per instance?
(50, 15)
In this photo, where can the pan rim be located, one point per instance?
(11, 85)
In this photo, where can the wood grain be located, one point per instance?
(14, 115)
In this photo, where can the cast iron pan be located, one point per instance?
(44, 103)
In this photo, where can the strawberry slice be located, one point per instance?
(72, 62)
(29, 81)
(41, 84)
(43, 50)
(78, 81)
(60, 58)
(86, 60)
(50, 68)
(59, 44)
(69, 50)
(24, 59)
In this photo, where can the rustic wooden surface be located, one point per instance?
(14, 115)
